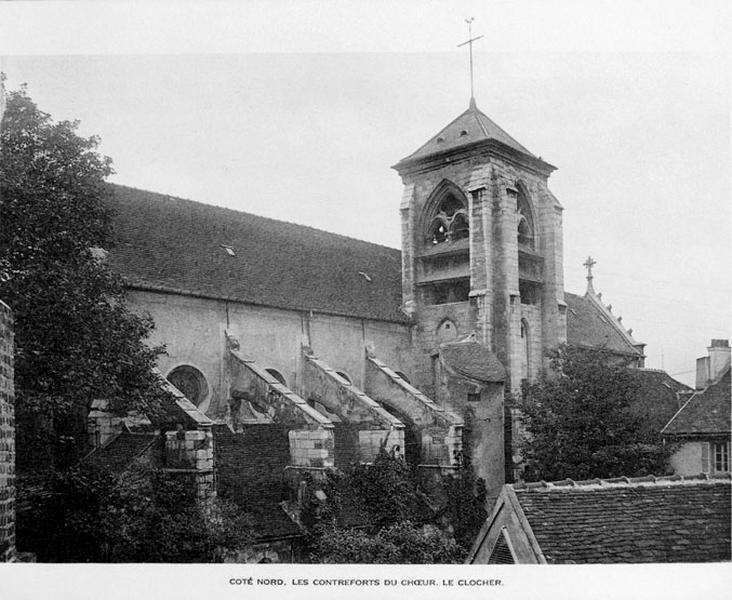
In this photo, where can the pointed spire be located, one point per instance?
(589, 263)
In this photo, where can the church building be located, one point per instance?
(303, 350)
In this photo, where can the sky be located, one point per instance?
(297, 112)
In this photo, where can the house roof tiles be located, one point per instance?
(706, 413)
(637, 520)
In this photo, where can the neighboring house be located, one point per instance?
(641, 520)
(702, 426)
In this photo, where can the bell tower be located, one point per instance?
(481, 247)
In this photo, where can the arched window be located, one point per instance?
(448, 218)
(191, 383)
(525, 227)
(277, 375)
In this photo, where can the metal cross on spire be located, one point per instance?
(470, 41)
(589, 263)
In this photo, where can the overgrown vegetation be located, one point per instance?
(581, 425)
(380, 513)
(86, 514)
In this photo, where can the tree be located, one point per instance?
(88, 514)
(75, 338)
(580, 421)
(379, 513)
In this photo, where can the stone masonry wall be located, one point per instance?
(7, 437)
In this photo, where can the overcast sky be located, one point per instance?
(298, 113)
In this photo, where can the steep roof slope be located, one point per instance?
(177, 245)
(706, 413)
(470, 127)
(659, 398)
(588, 327)
(616, 522)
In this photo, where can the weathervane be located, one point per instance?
(470, 41)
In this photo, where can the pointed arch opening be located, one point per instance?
(526, 224)
(445, 217)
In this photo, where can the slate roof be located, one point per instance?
(588, 327)
(706, 413)
(471, 127)
(176, 245)
(630, 521)
(473, 360)
(118, 454)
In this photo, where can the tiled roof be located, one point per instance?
(470, 127)
(473, 360)
(118, 454)
(588, 327)
(706, 413)
(175, 245)
(630, 521)
(181, 246)
(659, 398)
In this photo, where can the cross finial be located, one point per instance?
(589, 263)
(470, 41)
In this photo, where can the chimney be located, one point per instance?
(710, 367)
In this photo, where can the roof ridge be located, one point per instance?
(165, 196)
(621, 482)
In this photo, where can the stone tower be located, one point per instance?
(481, 248)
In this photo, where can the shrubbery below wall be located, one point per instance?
(89, 515)
(379, 513)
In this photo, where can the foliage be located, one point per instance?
(386, 490)
(380, 513)
(399, 543)
(75, 338)
(464, 508)
(87, 514)
(581, 424)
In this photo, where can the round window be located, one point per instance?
(191, 383)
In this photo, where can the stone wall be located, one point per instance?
(7, 437)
